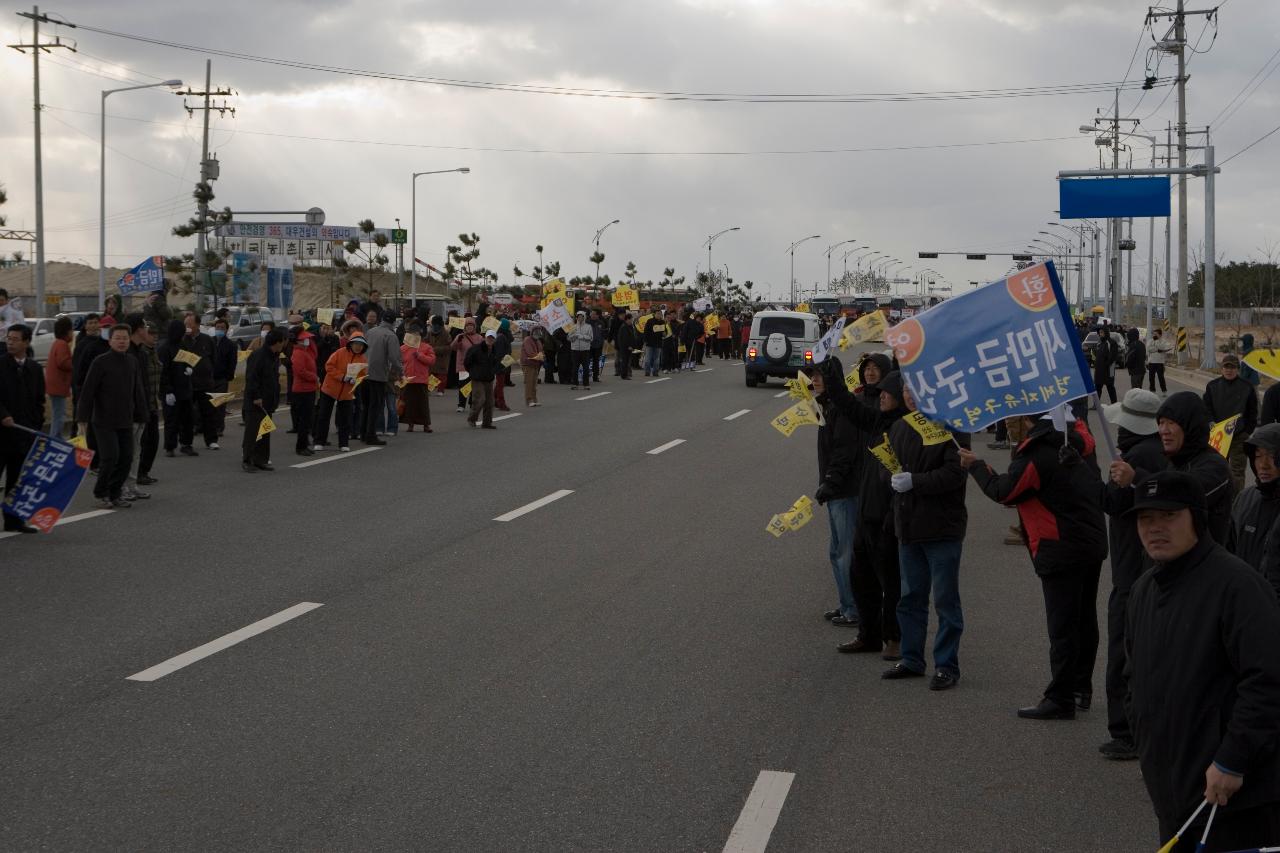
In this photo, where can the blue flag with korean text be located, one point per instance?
(1006, 349)
(51, 474)
(144, 278)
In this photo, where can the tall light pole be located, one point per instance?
(844, 259)
(600, 231)
(102, 186)
(792, 250)
(413, 228)
(709, 243)
(830, 249)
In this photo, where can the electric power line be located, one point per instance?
(1213, 122)
(1250, 145)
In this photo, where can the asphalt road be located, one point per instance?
(612, 670)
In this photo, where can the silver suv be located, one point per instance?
(781, 342)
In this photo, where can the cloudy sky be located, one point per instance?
(898, 176)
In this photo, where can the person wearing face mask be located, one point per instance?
(461, 344)
(305, 382)
(201, 344)
(1253, 535)
(224, 370)
(175, 391)
(256, 343)
(438, 338)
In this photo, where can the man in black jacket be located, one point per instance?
(113, 400)
(1204, 673)
(206, 419)
(1055, 493)
(225, 357)
(176, 392)
(261, 397)
(1230, 395)
(21, 405)
(1256, 509)
(483, 363)
(625, 340)
(1135, 358)
(1183, 423)
(1139, 442)
(1105, 356)
(839, 460)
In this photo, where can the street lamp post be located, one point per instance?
(601, 230)
(792, 250)
(709, 243)
(413, 228)
(844, 259)
(102, 186)
(830, 249)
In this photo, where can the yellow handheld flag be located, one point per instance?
(187, 357)
(433, 382)
(552, 289)
(457, 323)
(851, 381)
(625, 297)
(884, 453)
(776, 526)
(465, 390)
(931, 433)
(80, 442)
(1265, 361)
(490, 323)
(868, 327)
(800, 387)
(798, 415)
(220, 399)
(1222, 433)
(411, 340)
(243, 355)
(267, 426)
(507, 361)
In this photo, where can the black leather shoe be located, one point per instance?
(247, 468)
(265, 466)
(841, 622)
(373, 440)
(897, 671)
(1118, 750)
(1084, 700)
(943, 681)
(858, 646)
(831, 614)
(144, 480)
(1048, 710)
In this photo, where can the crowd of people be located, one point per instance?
(1192, 674)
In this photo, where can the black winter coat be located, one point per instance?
(112, 396)
(22, 391)
(875, 498)
(1203, 651)
(224, 359)
(262, 379)
(1225, 398)
(86, 350)
(482, 362)
(933, 509)
(1062, 521)
(840, 447)
(1128, 559)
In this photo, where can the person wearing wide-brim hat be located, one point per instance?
(1139, 445)
(1203, 650)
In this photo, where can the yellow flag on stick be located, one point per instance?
(868, 327)
(220, 398)
(851, 381)
(800, 387)
(776, 526)
(507, 361)
(267, 426)
(1265, 361)
(930, 432)
(884, 453)
(798, 415)
(1222, 433)
(433, 382)
(800, 514)
(466, 390)
(187, 357)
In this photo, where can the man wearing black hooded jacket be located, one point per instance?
(1184, 435)
(1256, 509)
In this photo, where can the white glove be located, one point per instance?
(901, 482)
(188, 371)
(170, 400)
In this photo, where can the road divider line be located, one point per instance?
(781, 394)
(705, 370)
(737, 414)
(662, 448)
(226, 641)
(66, 519)
(508, 417)
(335, 457)
(759, 816)
(530, 507)
(652, 381)
(593, 396)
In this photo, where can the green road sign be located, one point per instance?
(399, 236)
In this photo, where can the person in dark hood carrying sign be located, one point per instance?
(1254, 514)
(1203, 649)
(1053, 491)
(1183, 423)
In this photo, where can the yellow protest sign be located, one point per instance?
(267, 426)
(465, 390)
(803, 307)
(798, 415)
(884, 453)
(800, 388)
(187, 357)
(868, 327)
(411, 340)
(325, 316)
(220, 399)
(489, 323)
(776, 526)
(433, 382)
(798, 518)
(1222, 433)
(800, 514)
(1265, 361)
(642, 322)
(507, 361)
(851, 380)
(930, 432)
(625, 297)
(457, 323)
(711, 323)
(552, 289)
(356, 369)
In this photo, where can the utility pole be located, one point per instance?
(208, 168)
(35, 47)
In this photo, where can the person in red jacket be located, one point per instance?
(306, 382)
(418, 359)
(57, 374)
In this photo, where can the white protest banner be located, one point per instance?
(555, 315)
(828, 342)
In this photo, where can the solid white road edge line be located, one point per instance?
(66, 519)
(335, 457)
(226, 641)
(530, 507)
(593, 396)
(783, 394)
(737, 414)
(705, 370)
(662, 448)
(663, 379)
(759, 816)
(508, 417)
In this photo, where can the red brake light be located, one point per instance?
(808, 355)
(751, 352)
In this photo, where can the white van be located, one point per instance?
(781, 342)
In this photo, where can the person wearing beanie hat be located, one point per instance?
(1183, 424)
(1055, 494)
(337, 391)
(483, 365)
(840, 460)
(1230, 395)
(1140, 448)
(580, 346)
(305, 382)
(438, 337)
(1135, 357)
(1203, 650)
(1253, 537)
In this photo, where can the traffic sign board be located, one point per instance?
(399, 236)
